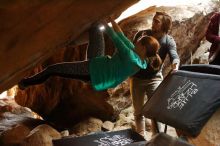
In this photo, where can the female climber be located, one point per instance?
(101, 71)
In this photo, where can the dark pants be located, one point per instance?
(74, 70)
(216, 61)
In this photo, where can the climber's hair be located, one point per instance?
(166, 21)
(152, 50)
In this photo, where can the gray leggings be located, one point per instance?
(74, 70)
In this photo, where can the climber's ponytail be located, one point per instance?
(152, 50)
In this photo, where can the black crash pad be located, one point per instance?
(187, 98)
(115, 138)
